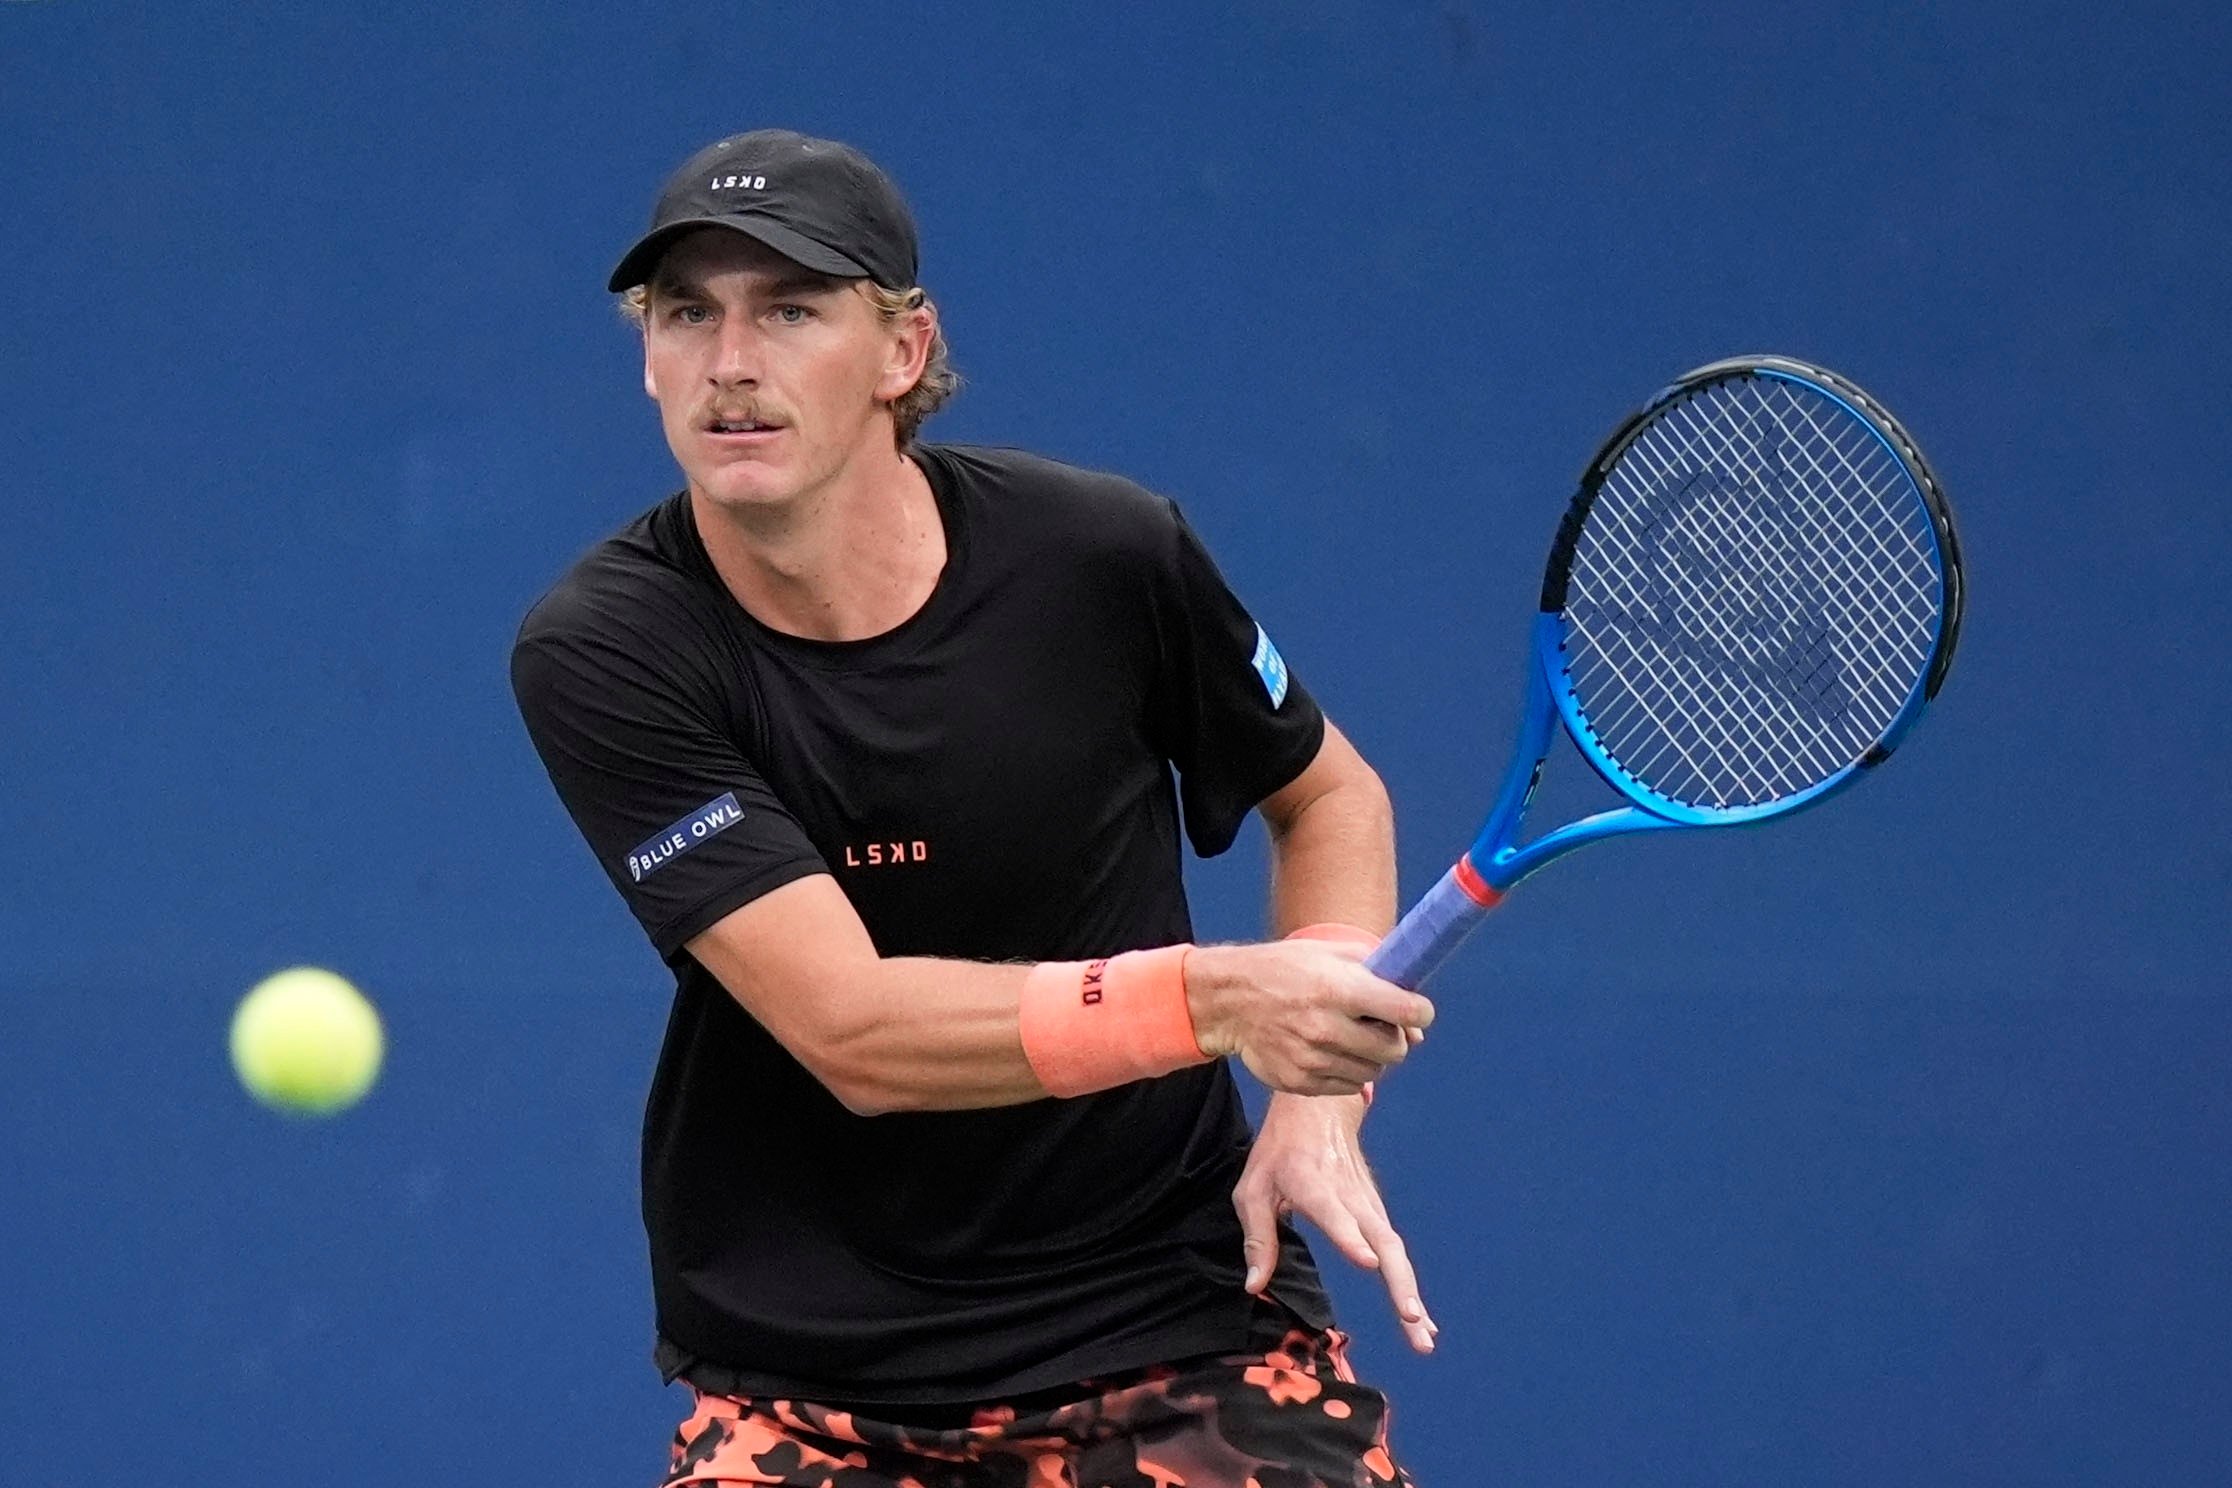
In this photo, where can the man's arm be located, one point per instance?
(916, 1033)
(1332, 862)
(632, 749)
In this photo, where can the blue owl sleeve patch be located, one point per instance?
(1271, 667)
(716, 815)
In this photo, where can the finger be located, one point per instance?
(1402, 1283)
(1411, 1036)
(1352, 1070)
(1309, 1076)
(1341, 1228)
(1369, 997)
(1259, 1234)
(1368, 1038)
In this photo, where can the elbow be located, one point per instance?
(1371, 794)
(861, 1100)
(1357, 799)
(1365, 797)
(863, 1097)
(819, 990)
(850, 1067)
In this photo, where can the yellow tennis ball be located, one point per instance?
(305, 1041)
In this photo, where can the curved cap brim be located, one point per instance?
(636, 266)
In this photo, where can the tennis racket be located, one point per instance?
(1751, 599)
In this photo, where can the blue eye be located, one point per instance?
(793, 314)
(689, 314)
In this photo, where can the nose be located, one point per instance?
(736, 353)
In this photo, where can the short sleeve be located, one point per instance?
(1227, 712)
(683, 825)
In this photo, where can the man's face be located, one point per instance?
(771, 380)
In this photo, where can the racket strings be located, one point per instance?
(1782, 657)
(1753, 596)
(1781, 575)
(1765, 592)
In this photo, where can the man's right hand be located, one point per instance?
(1303, 1016)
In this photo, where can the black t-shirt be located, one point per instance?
(992, 781)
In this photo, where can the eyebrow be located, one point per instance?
(804, 282)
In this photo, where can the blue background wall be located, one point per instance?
(1887, 1146)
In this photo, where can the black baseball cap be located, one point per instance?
(815, 201)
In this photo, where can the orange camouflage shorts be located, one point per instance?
(1289, 1413)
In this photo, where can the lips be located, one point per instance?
(736, 429)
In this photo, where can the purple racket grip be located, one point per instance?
(1433, 928)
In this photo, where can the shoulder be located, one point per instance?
(1073, 505)
(635, 581)
(634, 604)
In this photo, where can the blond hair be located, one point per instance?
(938, 382)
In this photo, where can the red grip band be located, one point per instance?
(1476, 888)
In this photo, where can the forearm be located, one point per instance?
(931, 1035)
(921, 1034)
(946, 1035)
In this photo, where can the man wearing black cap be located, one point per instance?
(945, 1175)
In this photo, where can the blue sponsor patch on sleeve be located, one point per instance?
(1271, 667)
(713, 817)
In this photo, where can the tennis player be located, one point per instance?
(946, 1177)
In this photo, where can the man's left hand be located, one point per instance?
(1307, 1160)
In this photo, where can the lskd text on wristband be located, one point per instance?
(1094, 1025)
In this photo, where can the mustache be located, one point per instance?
(738, 411)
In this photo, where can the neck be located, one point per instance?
(849, 560)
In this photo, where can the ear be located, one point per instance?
(911, 335)
(650, 378)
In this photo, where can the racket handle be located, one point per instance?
(1433, 928)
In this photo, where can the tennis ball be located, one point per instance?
(306, 1042)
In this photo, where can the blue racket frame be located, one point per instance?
(1497, 861)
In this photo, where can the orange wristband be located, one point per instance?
(1335, 933)
(1094, 1025)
